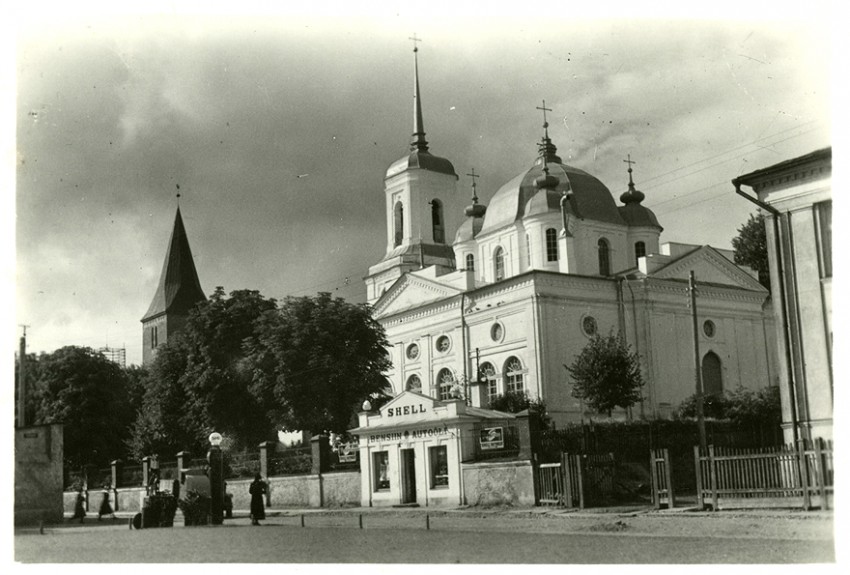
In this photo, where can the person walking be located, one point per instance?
(79, 506)
(258, 491)
(105, 507)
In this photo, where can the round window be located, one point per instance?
(588, 325)
(412, 351)
(708, 328)
(496, 332)
(443, 343)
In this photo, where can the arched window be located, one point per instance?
(487, 374)
(712, 374)
(445, 382)
(551, 245)
(514, 375)
(470, 263)
(604, 257)
(437, 222)
(527, 250)
(640, 251)
(398, 224)
(499, 264)
(414, 384)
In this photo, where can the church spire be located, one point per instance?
(419, 143)
(179, 288)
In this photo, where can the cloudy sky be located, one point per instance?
(114, 112)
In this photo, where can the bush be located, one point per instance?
(743, 406)
(195, 508)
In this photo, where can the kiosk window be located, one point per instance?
(382, 476)
(439, 466)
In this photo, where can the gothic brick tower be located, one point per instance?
(179, 290)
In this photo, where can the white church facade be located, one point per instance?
(481, 300)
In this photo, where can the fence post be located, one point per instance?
(580, 472)
(184, 459)
(698, 465)
(820, 472)
(321, 453)
(146, 471)
(712, 465)
(264, 457)
(116, 477)
(653, 478)
(668, 468)
(568, 481)
(803, 467)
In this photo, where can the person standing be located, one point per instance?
(105, 507)
(79, 506)
(258, 491)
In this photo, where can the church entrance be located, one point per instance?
(408, 476)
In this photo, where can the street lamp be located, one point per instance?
(216, 479)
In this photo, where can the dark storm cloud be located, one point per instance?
(279, 131)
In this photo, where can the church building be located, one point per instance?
(480, 300)
(179, 290)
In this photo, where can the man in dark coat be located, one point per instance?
(258, 505)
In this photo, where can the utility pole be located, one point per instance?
(692, 289)
(22, 371)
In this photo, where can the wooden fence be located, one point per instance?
(661, 474)
(799, 471)
(578, 480)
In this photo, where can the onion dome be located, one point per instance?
(474, 213)
(634, 214)
(419, 156)
(539, 190)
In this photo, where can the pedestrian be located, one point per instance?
(258, 491)
(79, 506)
(105, 507)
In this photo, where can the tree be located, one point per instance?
(517, 401)
(83, 390)
(606, 374)
(199, 381)
(316, 360)
(750, 247)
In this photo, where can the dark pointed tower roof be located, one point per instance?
(179, 288)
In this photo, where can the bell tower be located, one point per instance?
(179, 290)
(422, 208)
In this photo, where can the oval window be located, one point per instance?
(496, 332)
(443, 343)
(412, 351)
(588, 325)
(708, 328)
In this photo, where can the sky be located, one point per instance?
(278, 128)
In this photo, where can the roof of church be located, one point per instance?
(521, 197)
(635, 214)
(179, 288)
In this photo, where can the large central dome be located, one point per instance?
(521, 197)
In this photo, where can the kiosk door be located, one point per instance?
(408, 476)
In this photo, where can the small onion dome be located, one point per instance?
(633, 212)
(546, 181)
(473, 223)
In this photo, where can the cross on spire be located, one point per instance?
(415, 40)
(545, 109)
(473, 175)
(630, 162)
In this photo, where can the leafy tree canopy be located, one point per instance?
(745, 406)
(750, 247)
(82, 389)
(606, 374)
(516, 401)
(316, 360)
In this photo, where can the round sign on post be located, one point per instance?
(215, 439)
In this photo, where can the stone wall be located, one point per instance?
(341, 489)
(38, 473)
(499, 483)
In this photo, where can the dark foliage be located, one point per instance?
(606, 374)
(750, 247)
(517, 401)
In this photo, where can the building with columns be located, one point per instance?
(481, 300)
(796, 198)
